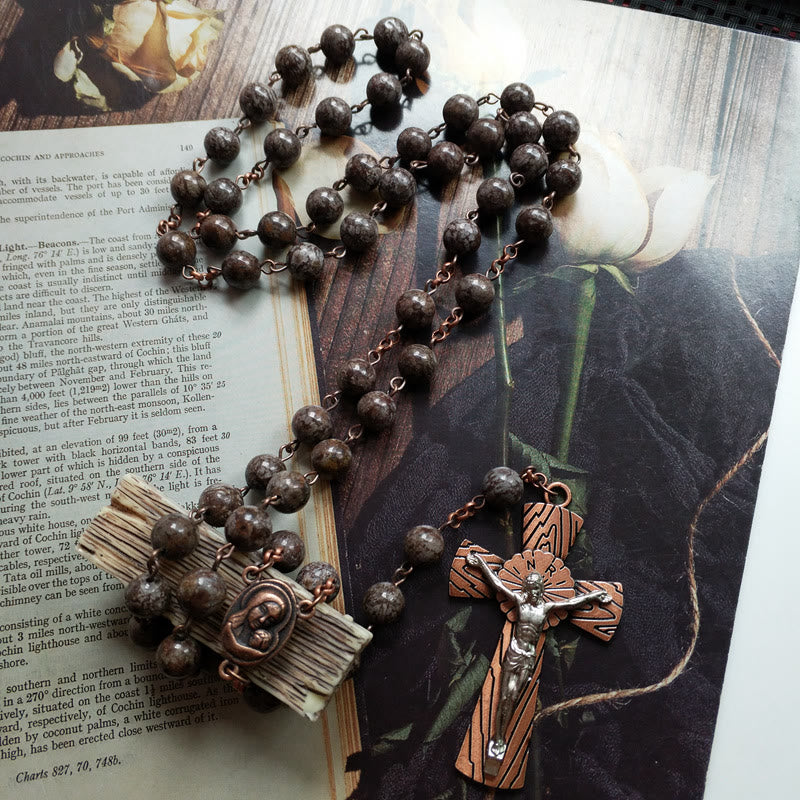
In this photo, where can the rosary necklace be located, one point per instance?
(535, 587)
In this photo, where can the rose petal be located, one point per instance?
(190, 31)
(607, 219)
(194, 58)
(66, 61)
(152, 61)
(179, 35)
(87, 92)
(675, 214)
(183, 9)
(126, 71)
(177, 85)
(132, 20)
(138, 42)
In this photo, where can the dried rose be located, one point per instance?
(152, 45)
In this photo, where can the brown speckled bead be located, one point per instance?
(521, 128)
(305, 261)
(417, 364)
(260, 700)
(219, 500)
(324, 205)
(383, 603)
(423, 545)
(293, 64)
(178, 657)
(331, 458)
(413, 144)
(388, 33)
(223, 196)
(517, 97)
(276, 229)
(201, 592)
(356, 377)
(363, 172)
(494, 196)
(397, 187)
(147, 596)
(502, 487)
(282, 148)
(412, 54)
(315, 573)
(486, 136)
(148, 632)
(376, 411)
(311, 424)
(563, 177)
(474, 293)
(248, 528)
(218, 232)
(534, 224)
(560, 130)
(358, 232)
(529, 160)
(187, 187)
(415, 309)
(294, 551)
(384, 89)
(260, 470)
(333, 116)
(337, 43)
(445, 160)
(176, 249)
(222, 145)
(459, 112)
(461, 236)
(175, 535)
(258, 102)
(292, 490)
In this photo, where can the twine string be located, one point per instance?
(750, 318)
(619, 695)
(638, 691)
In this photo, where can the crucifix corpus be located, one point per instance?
(536, 591)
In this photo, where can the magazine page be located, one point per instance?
(108, 366)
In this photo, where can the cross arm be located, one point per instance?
(579, 600)
(477, 561)
(466, 581)
(599, 619)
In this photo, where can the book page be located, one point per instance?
(108, 366)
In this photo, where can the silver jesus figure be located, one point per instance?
(520, 658)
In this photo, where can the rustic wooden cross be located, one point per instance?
(537, 582)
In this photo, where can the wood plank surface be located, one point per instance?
(317, 658)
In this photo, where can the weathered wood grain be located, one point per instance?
(317, 658)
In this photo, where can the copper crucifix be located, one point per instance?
(536, 591)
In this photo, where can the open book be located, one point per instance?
(107, 367)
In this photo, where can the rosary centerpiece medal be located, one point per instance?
(259, 622)
(536, 591)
